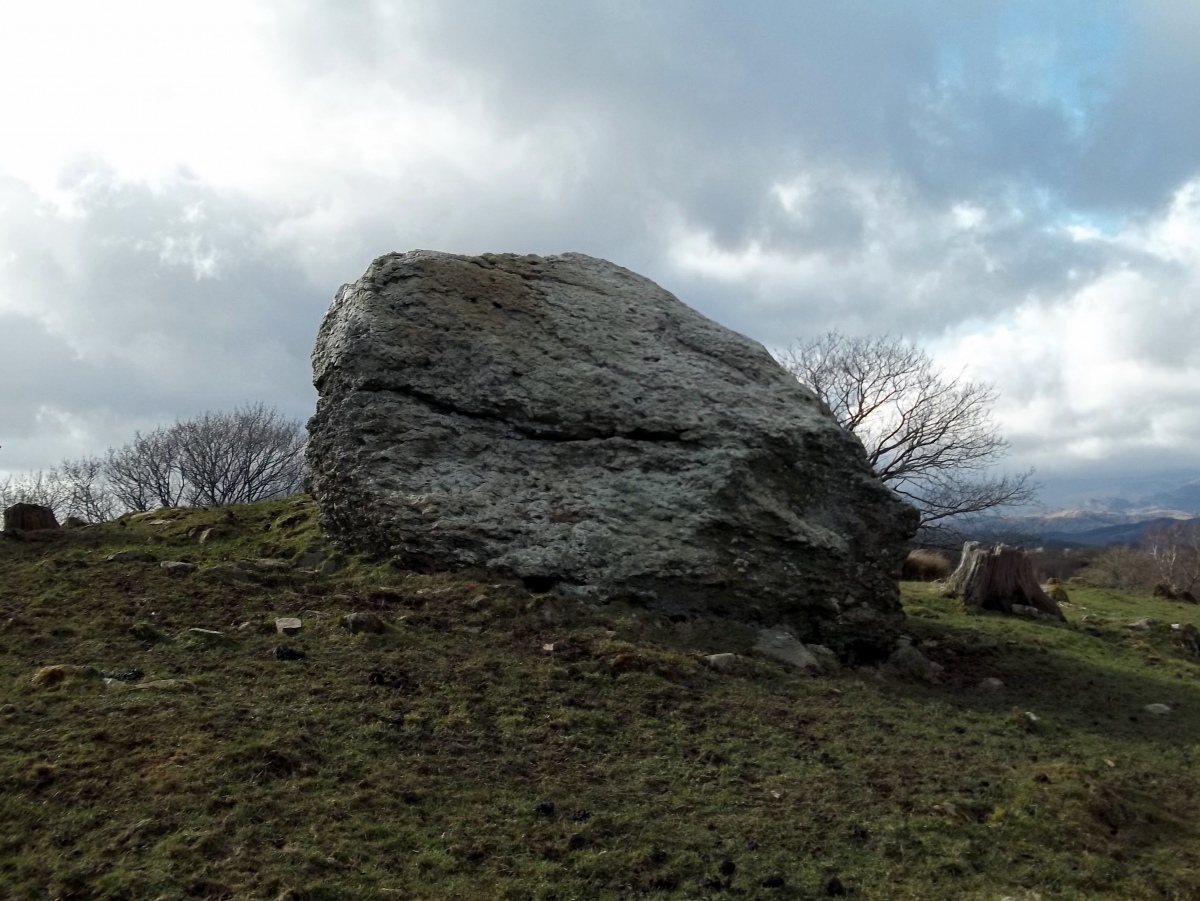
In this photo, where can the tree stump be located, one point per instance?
(1000, 579)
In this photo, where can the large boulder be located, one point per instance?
(568, 422)
(29, 518)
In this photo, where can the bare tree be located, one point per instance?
(88, 495)
(43, 487)
(251, 454)
(1175, 549)
(929, 437)
(145, 472)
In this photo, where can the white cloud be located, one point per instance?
(189, 184)
(1110, 368)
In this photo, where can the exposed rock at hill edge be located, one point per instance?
(568, 422)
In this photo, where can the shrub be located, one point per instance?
(924, 565)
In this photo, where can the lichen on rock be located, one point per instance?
(567, 422)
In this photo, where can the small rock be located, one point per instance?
(129, 675)
(1143, 624)
(727, 868)
(779, 644)
(544, 808)
(330, 566)
(288, 625)
(209, 634)
(283, 652)
(1189, 639)
(775, 881)
(1028, 721)
(722, 663)
(363, 622)
(991, 684)
(178, 567)
(1157, 709)
(131, 557)
(74, 522)
(909, 663)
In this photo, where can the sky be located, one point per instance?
(1014, 186)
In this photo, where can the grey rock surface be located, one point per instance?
(570, 423)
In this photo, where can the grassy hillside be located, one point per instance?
(495, 744)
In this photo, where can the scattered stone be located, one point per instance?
(501, 411)
(544, 808)
(29, 518)
(727, 868)
(283, 652)
(1189, 639)
(59, 674)
(129, 675)
(178, 567)
(211, 534)
(780, 644)
(364, 622)
(991, 685)
(131, 557)
(711, 883)
(196, 637)
(74, 522)
(909, 663)
(1157, 709)
(288, 625)
(775, 881)
(330, 566)
(834, 887)
(722, 663)
(1028, 721)
(1143, 624)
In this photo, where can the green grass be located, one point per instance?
(412, 764)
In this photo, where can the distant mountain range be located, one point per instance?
(1100, 521)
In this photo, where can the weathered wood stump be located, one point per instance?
(28, 518)
(1000, 579)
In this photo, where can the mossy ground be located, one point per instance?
(496, 744)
